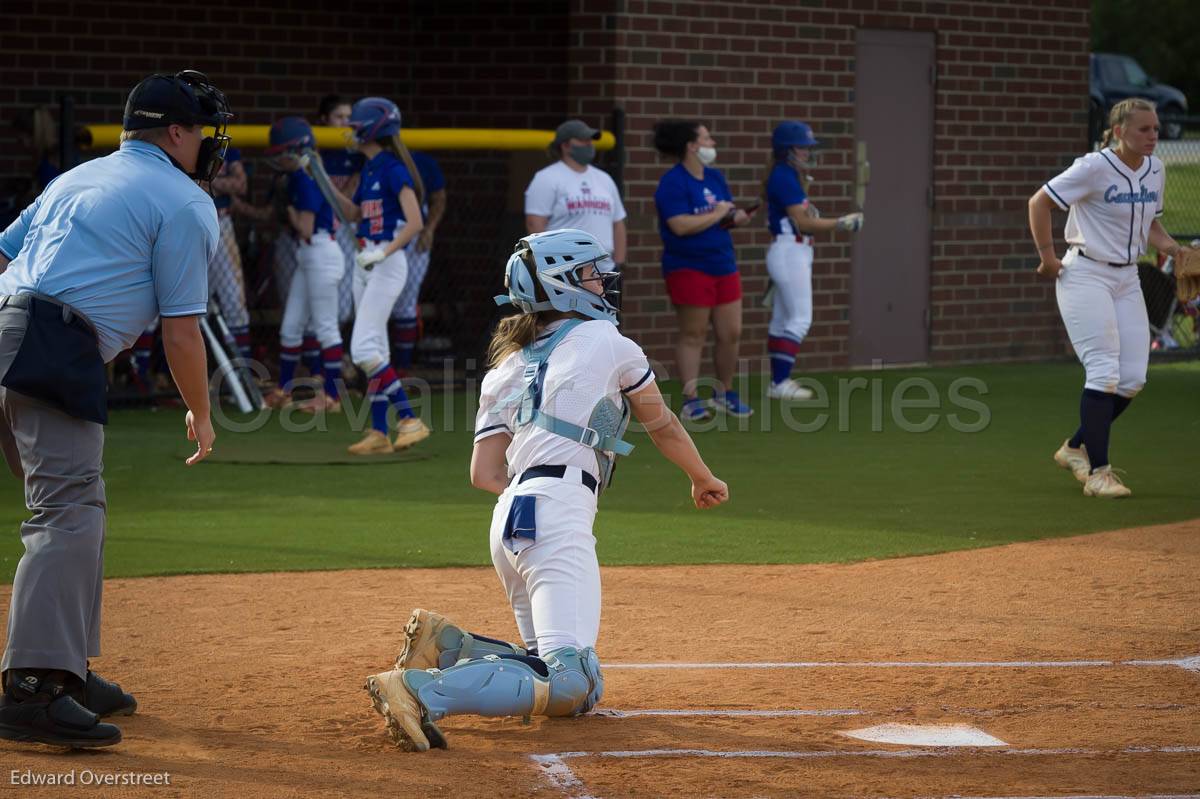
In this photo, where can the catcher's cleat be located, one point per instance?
(407, 723)
(408, 432)
(372, 443)
(789, 389)
(1104, 483)
(1076, 460)
(422, 637)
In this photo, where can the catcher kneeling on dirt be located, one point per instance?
(552, 413)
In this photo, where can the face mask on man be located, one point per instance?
(582, 154)
(707, 155)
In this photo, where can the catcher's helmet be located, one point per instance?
(792, 134)
(552, 262)
(374, 118)
(290, 134)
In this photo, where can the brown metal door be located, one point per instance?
(889, 286)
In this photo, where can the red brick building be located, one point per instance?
(955, 150)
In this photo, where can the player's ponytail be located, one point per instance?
(405, 156)
(1120, 114)
(512, 333)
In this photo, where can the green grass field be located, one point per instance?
(1181, 210)
(828, 495)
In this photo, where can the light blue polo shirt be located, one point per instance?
(121, 238)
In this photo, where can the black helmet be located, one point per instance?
(185, 98)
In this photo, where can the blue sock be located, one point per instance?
(1119, 405)
(781, 368)
(331, 359)
(379, 409)
(1096, 416)
(288, 358)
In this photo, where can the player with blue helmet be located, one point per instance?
(387, 208)
(312, 297)
(792, 220)
(552, 413)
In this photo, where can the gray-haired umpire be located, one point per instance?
(106, 247)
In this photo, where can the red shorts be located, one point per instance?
(693, 287)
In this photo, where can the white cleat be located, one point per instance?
(1104, 483)
(1074, 460)
(789, 389)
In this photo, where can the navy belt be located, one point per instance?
(559, 472)
(1098, 261)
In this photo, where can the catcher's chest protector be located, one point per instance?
(608, 421)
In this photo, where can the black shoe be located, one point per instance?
(43, 712)
(104, 698)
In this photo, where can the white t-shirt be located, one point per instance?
(592, 361)
(585, 200)
(1111, 206)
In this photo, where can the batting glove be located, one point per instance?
(850, 222)
(367, 259)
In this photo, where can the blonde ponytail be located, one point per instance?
(406, 157)
(512, 334)
(1120, 114)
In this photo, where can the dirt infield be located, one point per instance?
(250, 686)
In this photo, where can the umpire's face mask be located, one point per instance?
(210, 158)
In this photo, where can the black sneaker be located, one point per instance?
(104, 698)
(39, 711)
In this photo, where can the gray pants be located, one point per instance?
(54, 617)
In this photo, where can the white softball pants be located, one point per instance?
(225, 276)
(553, 582)
(375, 293)
(1105, 314)
(312, 300)
(789, 263)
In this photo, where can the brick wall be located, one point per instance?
(1010, 112)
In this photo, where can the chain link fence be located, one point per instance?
(1175, 325)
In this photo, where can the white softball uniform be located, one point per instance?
(586, 200)
(789, 263)
(1110, 210)
(375, 293)
(225, 276)
(312, 300)
(553, 580)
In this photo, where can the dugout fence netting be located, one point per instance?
(1174, 322)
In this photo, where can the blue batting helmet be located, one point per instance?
(554, 259)
(792, 134)
(290, 134)
(374, 118)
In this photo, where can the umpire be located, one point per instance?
(105, 248)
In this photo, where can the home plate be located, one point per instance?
(926, 735)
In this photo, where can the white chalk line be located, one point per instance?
(560, 776)
(625, 714)
(1188, 663)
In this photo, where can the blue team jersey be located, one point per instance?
(783, 189)
(303, 195)
(224, 200)
(378, 195)
(710, 250)
(341, 163)
(431, 177)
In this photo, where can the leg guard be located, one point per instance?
(566, 682)
(432, 641)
